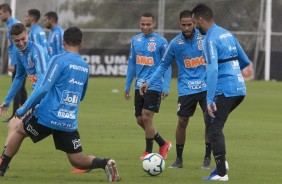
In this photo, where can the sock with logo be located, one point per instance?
(158, 138)
(149, 144)
(220, 163)
(179, 151)
(99, 163)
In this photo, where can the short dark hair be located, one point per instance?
(17, 29)
(6, 8)
(185, 14)
(73, 36)
(34, 13)
(148, 15)
(52, 16)
(202, 10)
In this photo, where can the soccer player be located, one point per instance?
(31, 60)
(147, 49)
(36, 33)
(225, 84)
(55, 37)
(55, 105)
(186, 50)
(21, 95)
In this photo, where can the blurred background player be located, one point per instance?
(36, 33)
(226, 88)
(147, 49)
(31, 60)
(55, 37)
(21, 95)
(186, 50)
(57, 101)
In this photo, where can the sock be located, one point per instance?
(208, 150)
(220, 163)
(99, 163)
(179, 150)
(149, 144)
(5, 147)
(4, 164)
(158, 138)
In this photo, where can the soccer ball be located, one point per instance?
(153, 164)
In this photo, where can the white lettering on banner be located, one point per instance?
(115, 59)
(108, 70)
(93, 59)
(107, 65)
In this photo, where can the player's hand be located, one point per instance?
(143, 88)
(18, 116)
(126, 95)
(4, 109)
(211, 109)
(164, 95)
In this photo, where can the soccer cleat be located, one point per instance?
(176, 164)
(216, 178)
(206, 163)
(164, 149)
(144, 155)
(78, 171)
(112, 171)
(214, 173)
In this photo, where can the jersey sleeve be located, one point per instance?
(242, 56)
(211, 54)
(52, 75)
(84, 89)
(131, 68)
(16, 84)
(40, 58)
(167, 74)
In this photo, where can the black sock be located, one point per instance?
(179, 150)
(4, 164)
(208, 150)
(149, 144)
(158, 138)
(220, 163)
(99, 163)
(5, 147)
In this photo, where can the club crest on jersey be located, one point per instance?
(152, 46)
(180, 41)
(200, 44)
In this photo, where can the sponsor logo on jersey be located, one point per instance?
(212, 50)
(195, 85)
(152, 46)
(63, 113)
(79, 68)
(63, 125)
(76, 143)
(152, 39)
(143, 60)
(226, 35)
(70, 98)
(73, 81)
(139, 39)
(194, 62)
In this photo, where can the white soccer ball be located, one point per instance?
(153, 164)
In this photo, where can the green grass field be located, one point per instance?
(108, 129)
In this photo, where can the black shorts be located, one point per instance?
(187, 104)
(68, 142)
(150, 101)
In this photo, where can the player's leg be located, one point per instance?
(152, 101)
(138, 105)
(69, 142)
(207, 157)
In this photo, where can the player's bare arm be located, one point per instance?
(126, 95)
